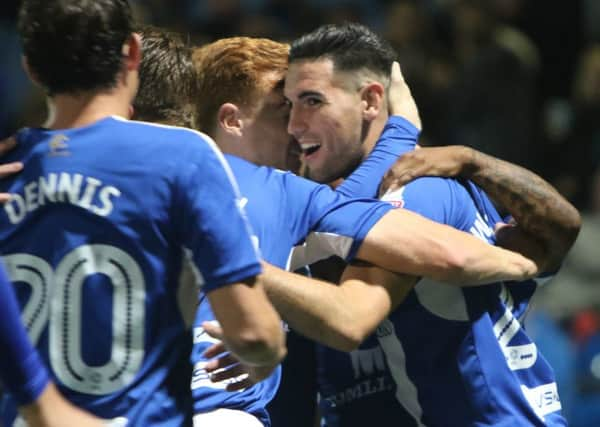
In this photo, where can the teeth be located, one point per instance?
(308, 146)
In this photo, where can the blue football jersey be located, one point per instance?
(103, 219)
(447, 356)
(284, 211)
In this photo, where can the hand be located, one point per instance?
(401, 102)
(447, 161)
(225, 366)
(8, 168)
(53, 410)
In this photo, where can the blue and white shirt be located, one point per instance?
(285, 211)
(95, 238)
(447, 356)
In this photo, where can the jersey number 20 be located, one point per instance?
(56, 301)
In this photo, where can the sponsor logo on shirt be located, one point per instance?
(543, 399)
(58, 146)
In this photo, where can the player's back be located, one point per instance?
(93, 239)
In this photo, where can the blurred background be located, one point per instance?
(518, 79)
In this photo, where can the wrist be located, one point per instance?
(470, 161)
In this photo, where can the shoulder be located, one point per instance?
(439, 199)
(187, 140)
(429, 190)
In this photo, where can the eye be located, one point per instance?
(313, 102)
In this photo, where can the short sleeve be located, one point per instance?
(333, 224)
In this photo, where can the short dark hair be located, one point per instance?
(75, 45)
(350, 46)
(168, 83)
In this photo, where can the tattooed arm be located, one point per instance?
(546, 224)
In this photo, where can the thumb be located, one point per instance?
(213, 329)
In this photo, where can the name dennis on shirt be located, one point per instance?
(84, 191)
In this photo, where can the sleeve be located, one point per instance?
(22, 371)
(398, 137)
(442, 200)
(332, 224)
(211, 220)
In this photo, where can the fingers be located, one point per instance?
(401, 173)
(10, 169)
(213, 329)
(401, 102)
(396, 75)
(229, 369)
(391, 183)
(7, 170)
(214, 350)
(220, 363)
(240, 385)
(500, 227)
(230, 373)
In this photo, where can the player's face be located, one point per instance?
(325, 118)
(266, 131)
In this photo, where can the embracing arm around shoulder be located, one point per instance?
(406, 242)
(546, 223)
(339, 316)
(542, 215)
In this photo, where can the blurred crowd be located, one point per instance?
(518, 79)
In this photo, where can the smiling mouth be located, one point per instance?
(308, 149)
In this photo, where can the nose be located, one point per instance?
(296, 123)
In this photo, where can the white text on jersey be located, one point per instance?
(62, 187)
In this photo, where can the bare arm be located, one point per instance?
(405, 242)
(251, 327)
(341, 316)
(51, 409)
(547, 224)
(541, 213)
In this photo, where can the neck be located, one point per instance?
(71, 111)
(231, 145)
(371, 134)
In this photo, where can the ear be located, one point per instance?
(372, 98)
(229, 118)
(32, 76)
(132, 52)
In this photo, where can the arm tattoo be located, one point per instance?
(536, 206)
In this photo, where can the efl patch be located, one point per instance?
(396, 203)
